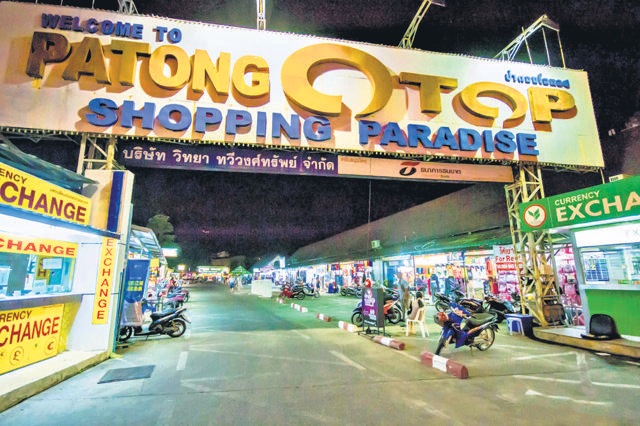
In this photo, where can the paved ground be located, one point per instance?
(252, 361)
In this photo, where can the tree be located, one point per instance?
(162, 228)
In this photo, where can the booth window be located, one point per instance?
(30, 274)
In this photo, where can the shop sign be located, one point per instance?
(106, 272)
(25, 191)
(29, 335)
(37, 246)
(614, 200)
(85, 70)
(373, 307)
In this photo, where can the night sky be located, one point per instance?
(256, 214)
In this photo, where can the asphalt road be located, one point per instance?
(252, 361)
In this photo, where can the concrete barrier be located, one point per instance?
(347, 326)
(323, 317)
(387, 341)
(444, 364)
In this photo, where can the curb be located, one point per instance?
(347, 326)
(323, 317)
(444, 364)
(387, 341)
(299, 308)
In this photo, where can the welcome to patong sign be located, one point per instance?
(83, 70)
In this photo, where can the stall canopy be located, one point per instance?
(143, 241)
(14, 157)
(472, 218)
(240, 270)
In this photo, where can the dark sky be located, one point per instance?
(253, 215)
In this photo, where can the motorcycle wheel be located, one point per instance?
(176, 328)
(300, 296)
(484, 340)
(343, 292)
(316, 294)
(357, 319)
(125, 333)
(441, 306)
(186, 297)
(395, 316)
(441, 343)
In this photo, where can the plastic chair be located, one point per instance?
(419, 319)
(514, 323)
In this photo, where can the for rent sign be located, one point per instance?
(29, 335)
(613, 200)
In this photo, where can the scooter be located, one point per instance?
(442, 300)
(291, 292)
(498, 306)
(173, 323)
(392, 313)
(173, 300)
(351, 291)
(463, 328)
(310, 291)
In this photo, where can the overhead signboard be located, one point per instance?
(246, 160)
(83, 70)
(609, 201)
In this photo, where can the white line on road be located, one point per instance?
(347, 360)
(304, 336)
(577, 382)
(413, 357)
(524, 358)
(256, 355)
(182, 361)
(566, 398)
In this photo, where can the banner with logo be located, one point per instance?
(614, 200)
(100, 72)
(29, 335)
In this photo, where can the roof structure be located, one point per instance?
(474, 217)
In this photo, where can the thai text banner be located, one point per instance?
(84, 70)
(614, 200)
(22, 190)
(29, 335)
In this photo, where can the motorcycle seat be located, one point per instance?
(156, 315)
(481, 318)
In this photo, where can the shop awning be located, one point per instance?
(143, 241)
(12, 156)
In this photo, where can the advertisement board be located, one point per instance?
(84, 70)
(22, 190)
(609, 201)
(373, 307)
(29, 335)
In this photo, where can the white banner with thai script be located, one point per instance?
(84, 70)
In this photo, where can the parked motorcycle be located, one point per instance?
(310, 291)
(292, 292)
(463, 328)
(173, 323)
(185, 293)
(442, 301)
(351, 291)
(498, 306)
(392, 313)
(173, 300)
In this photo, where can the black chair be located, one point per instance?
(601, 327)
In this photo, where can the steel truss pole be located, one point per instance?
(97, 153)
(533, 251)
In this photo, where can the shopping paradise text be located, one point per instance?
(545, 98)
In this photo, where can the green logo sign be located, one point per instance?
(613, 200)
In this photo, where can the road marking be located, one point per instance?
(408, 355)
(577, 382)
(347, 360)
(182, 361)
(299, 333)
(566, 398)
(524, 358)
(256, 355)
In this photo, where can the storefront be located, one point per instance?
(61, 257)
(604, 222)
